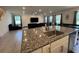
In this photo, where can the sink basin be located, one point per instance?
(53, 33)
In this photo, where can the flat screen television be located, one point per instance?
(34, 20)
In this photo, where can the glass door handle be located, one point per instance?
(61, 50)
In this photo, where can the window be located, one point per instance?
(77, 18)
(58, 19)
(45, 19)
(48, 20)
(17, 20)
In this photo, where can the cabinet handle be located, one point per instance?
(61, 50)
(49, 50)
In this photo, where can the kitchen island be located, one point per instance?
(39, 40)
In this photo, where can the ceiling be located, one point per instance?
(44, 10)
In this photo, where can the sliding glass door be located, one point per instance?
(17, 20)
(58, 19)
(48, 20)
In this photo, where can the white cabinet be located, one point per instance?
(60, 46)
(46, 49)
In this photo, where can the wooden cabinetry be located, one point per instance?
(60, 46)
(46, 49)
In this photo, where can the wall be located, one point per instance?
(5, 21)
(70, 13)
(26, 19)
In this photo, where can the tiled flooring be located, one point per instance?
(11, 42)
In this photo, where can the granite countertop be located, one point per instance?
(36, 38)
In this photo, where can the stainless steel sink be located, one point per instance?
(53, 33)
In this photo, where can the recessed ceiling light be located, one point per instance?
(40, 10)
(50, 11)
(35, 12)
(23, 8)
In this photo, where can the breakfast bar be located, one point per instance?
(54, 39)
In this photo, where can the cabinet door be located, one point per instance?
(38, 51)
(65, 44)
(57, 49)
(46, 49)
(60, 45)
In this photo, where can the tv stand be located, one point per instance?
(34, 25)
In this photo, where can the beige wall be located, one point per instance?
(70, 19)
(69, 12)
(5, 21)
(26, 19)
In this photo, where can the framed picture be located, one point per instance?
(67, 16)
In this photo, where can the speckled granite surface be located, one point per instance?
(35, 38)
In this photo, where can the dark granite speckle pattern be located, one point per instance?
(36, 38)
